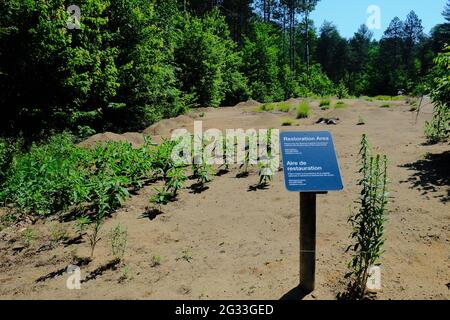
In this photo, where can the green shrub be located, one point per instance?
(386, 105)
(325, 103)
(303, 110)
(284, 107)
(438, 129)
(383, 98)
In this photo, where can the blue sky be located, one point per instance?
(348, 15)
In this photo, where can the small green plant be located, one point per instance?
(82, 224)
(325, 103)
(386, 105)
(303, 110)
(284, 107)
(161, 197)
(58, 232)
(186, 255)
(361, 121)
(94, 234)
(29, 236)
(175, 180)
(267, 163)
(286, 122)
(156, 261)
(250, 140)
(118, 238)
(368, 222)
(340, 105)
(202, 115)
(268, 107)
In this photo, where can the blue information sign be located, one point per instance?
(309, 162)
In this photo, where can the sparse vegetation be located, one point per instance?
(118, 238)
(361, 121)
(386, 105)
(303, 110)
(156, 261)
(340, 105)
(284, 107)
(286, 122)
(325, 103)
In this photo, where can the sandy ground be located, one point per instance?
(232, 243)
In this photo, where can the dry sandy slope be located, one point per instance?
(244, 244)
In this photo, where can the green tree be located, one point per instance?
(208, 62)
(261, 52)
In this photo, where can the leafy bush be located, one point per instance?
(303, 110)
(439, 128)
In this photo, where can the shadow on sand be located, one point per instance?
(430, 173)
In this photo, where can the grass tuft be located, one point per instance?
(303, 110)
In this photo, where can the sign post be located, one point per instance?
(310, 168)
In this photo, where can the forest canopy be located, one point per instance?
(131, 63)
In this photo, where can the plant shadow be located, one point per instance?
(198, 188)
(151, 214)
(242, 175)
(256, 187)
(430, 173)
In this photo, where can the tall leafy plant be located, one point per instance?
(368, 221)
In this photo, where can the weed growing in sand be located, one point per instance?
(386, 105)
(368, 222)
(284, 107)
(156, 261)
(324, 103)
(361, 121)
(186, 255)
(161, 158)
(29, 236)
(94, 235)
(161, 197)
(244, 167)
(340, 105)
(303, 110)
(266, 164)
(175, 180)
(58, 232)
(118, 238)
(81, 225)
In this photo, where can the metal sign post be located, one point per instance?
(310, 167)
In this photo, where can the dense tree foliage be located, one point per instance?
(133, 62)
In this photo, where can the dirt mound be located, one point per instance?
(102, 138)
(166, 126)
(249, 103)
